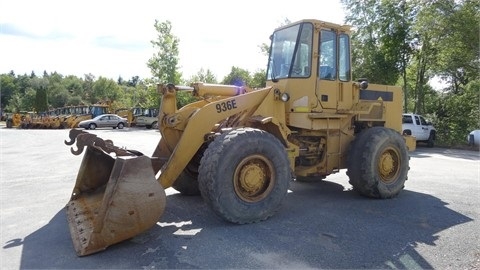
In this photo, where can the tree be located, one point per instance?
(133, 81)
(458, 60)
(7, 89)
(73, 84)
(163, 64)
(27, 101)
(202, 75)
(87, 86)
(458, 114)
(380, 38)
(238, 77)
(41, 100)
(105, 90)
(41, 104)
(259, 79)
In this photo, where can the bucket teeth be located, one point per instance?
(73, 135)
(84, 138)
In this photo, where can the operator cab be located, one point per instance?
(315, 58)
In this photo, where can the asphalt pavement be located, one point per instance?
(432, 224)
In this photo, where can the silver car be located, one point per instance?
(104, 120)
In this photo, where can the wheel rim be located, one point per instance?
(254, 178)
(389, 165)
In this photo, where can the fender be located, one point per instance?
(198, 124)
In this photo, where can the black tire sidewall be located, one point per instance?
(186, 184)
(431, 140)
(217, 168)
(364, 158)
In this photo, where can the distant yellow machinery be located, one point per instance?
(240, 148)
(15, 119)
(59, 118)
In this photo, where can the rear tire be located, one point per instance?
(378, 163)
(244, 175)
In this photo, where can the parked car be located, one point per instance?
(421, 129)
(148, 118)
(104, 120)
(474, 138)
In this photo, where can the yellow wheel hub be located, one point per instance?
(389, 165)
(254, 178)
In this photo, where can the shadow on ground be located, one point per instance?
(320, 225)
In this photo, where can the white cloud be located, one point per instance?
(112, 38)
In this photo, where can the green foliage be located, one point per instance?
(27, 101)
(202, 75)
(74, 101)
(410, 42)
(105, 90)
(41, 100)
(238, 77)
(7, 88)
(33, 93)
(163, 64)
(259, 79)
(184, 98)
(458, 57)
(458, 114)
(379, 41)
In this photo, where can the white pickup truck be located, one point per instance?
(421, 129)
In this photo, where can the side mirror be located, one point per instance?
(363, 83)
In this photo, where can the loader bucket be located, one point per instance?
(114, 198)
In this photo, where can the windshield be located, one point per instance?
(290, 52)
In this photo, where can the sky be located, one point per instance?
(113, 38)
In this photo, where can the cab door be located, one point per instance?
(334, 88)
(327, 83)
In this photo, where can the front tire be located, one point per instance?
(431, 140)
(378, 163)
(244, 175)
(92, 126)
(120, 125)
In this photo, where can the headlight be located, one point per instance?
(285, 97)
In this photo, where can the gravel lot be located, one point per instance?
(433, 223)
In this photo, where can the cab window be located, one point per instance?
(328, 55)
(291, 52)
(344, 58)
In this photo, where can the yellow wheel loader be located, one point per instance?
(240, 148)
